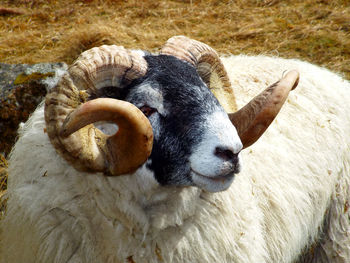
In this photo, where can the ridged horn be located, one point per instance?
(208, 65)
(69, 114)
(254, 118)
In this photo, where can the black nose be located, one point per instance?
(226, 154)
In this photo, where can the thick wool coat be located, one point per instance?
(293, 191)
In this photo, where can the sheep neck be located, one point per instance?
(145, 209)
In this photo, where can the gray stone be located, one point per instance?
(22, 88)
(15, 74)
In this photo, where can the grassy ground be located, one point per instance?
(318, 31)
(53, 30)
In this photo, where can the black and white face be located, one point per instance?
(195, 144)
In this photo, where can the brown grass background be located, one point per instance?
(318, 31)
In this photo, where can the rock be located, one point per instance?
(22, 88)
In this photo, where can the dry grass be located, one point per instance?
(52, 30)
(3, 183)
(318, 31)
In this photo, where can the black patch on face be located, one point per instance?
(188, 102)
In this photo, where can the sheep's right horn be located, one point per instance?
(69, 115)
(253, 119)
(130, 146)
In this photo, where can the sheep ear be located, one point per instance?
(253, 119)
(222, 89)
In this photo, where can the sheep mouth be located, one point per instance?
(212, 183)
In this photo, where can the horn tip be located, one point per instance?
(294, 76)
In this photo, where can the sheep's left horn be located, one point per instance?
(208, 65)
(253, 119)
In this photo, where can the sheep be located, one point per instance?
(288, 201)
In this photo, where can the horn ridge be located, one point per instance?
(254, 118)
(87, 148)
(208, 64)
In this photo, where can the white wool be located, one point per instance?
(218, 131)
(294, 177)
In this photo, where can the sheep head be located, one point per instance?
(162, 101)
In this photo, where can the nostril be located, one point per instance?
(226, 154)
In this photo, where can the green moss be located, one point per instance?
(24, 78)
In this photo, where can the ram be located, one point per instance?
(132, 159)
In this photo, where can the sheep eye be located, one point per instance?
(148, 111)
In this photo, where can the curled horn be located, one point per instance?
(253, 119)
(208, 65)
(69, 114)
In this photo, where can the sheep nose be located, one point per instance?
(226, 154)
